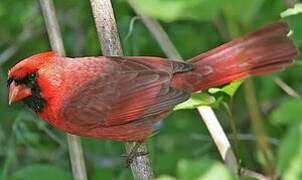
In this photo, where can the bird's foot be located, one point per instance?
(133, 154)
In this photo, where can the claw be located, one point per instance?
(133, 154)
(131, 158)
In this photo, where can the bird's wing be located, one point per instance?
(136, 90)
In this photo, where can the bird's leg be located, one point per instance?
(133, 153)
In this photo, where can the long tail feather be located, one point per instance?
(265, 50)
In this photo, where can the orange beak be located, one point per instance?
(17, 92)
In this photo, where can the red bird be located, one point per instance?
(120, 98)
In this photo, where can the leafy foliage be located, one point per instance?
(180, 9)
(290, 153)
(228, 89)
(30, 148)
(42, 171)
(293, 16)
(196, 100)
(288, 112)
(290, 150)
(203, 169)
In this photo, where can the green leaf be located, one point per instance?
(229, 89)
(290, 154)
(244, 11)
(292, 11)
(203, 169)
(171, 10)
(293, 16)
(42, 171)
(289, 111)
(214, 90)
(196, 100)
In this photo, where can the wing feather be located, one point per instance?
(136, 90)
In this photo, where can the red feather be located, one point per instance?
(120, 98)
(267, 49)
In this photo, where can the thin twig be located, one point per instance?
(290, 91)
(159, 34)
(234, 131)
(255, 115)
(221, 28)
(219, 138)
(110, 45)
(207, 113)
(74, 142)
(131, 28)
(52, 26)
(253, 174)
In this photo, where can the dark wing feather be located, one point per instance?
(137, 90)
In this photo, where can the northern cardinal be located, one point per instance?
(120, 98)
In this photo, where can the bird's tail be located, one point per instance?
(262, 51)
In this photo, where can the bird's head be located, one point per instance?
(23, 81)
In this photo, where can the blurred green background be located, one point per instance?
(32, 149)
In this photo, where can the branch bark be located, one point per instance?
(74, 142)
(207, 113)
(110, 45)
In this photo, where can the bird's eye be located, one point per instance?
(32, 76)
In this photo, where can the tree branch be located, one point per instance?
(74, 142)
(110, 45)
(290, 91)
